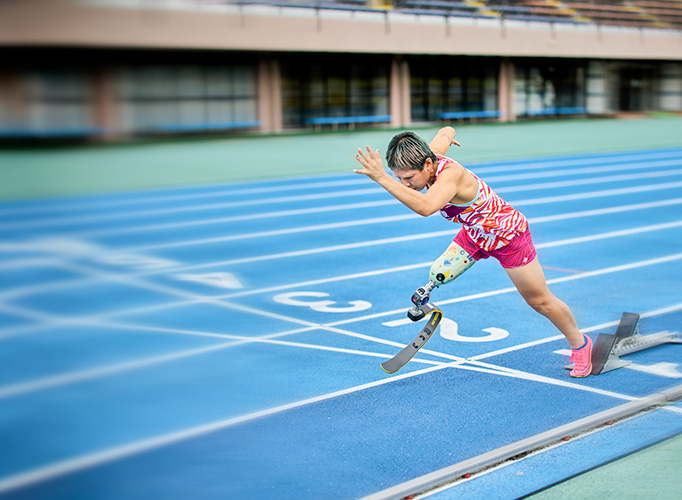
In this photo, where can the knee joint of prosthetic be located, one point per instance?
(454, 261)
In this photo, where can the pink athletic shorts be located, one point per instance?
(519, 252)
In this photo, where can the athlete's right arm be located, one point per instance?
(438, 195)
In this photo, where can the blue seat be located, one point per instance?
(187, 127)
(556, 111)
(457, 115)
(337, 120)
(50, 133)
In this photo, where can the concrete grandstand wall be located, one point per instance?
(524, 67)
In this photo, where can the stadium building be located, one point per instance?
(109, 69)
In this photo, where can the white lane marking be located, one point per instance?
(274, 232)
(63, 284)
(109, 231)
(154, 196)
(128, 229)
(81, 462)
(53, 381)
(89, 460)
(612, 234)
(60, 221)
(584, 170)
(116, 215)
(86, 461)
(492, 293)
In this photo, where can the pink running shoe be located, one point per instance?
(583, 359)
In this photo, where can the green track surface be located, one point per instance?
(651, 473)
(49, 171)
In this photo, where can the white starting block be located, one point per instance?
(608, 348)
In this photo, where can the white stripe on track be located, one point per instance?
(492, 293)
(362, 244)
(276, 232)
(7, 333)
(604, 211)
(233, 218)
(611, 234)
(595, 328)
(518, 203)
(304, 211)
(158, 195)
(151, 197)
(583, 171)
(16, 292)
(333, 248)
(569, 241)
(597, 194)
(585, 182)
(543, 163)
(53, 381)
(86, 461)
(60, 221)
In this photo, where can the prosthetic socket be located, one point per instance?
(454, 261)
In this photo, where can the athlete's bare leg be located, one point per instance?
(529, 280)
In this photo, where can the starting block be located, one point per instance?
(608, 348)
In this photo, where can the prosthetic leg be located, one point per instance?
(420, 298)
(445, 269)
(449, 266)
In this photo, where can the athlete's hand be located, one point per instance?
(373, 167)
(444, 138)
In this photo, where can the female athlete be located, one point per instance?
(490, 226)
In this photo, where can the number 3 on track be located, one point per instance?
(291, 299)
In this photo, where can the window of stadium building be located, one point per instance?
(544, 88)
(332, 87)
(58, 102)
(187, 98)
(447, 84)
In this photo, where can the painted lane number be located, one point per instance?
(450, 330)
(295, 299)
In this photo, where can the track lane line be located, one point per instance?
(316, 182)
(333, 327)
(517, 203)
(150, 196)
(91, 233)
(492, 293)
(60, 221)
(86, 461)
(68, 466)
(16, 292)
(63, 379)
(193, 298)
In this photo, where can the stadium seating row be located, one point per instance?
(661, 14)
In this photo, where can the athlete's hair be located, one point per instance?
(408, 151)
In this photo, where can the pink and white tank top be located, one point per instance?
(489, 221)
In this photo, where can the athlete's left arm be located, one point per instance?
(442, 141)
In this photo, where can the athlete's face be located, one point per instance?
(416, 179)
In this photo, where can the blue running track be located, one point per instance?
(225, 341)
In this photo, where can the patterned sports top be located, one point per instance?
(489, 221)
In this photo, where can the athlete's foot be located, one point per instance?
(583, 359)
